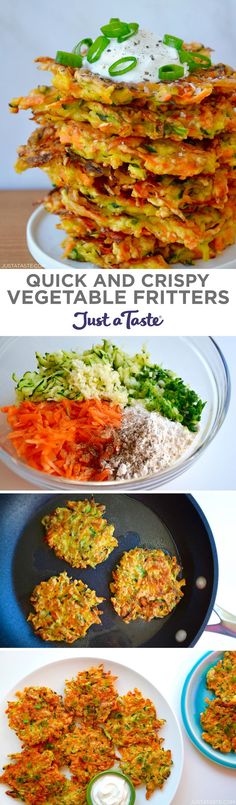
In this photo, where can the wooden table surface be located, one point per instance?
(16, 207)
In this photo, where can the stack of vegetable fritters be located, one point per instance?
(143, 173)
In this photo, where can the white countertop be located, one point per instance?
(203, 782)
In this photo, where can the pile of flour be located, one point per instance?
(149, 442)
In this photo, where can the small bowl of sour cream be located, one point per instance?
(110, 788)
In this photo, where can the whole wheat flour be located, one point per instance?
(149, 443)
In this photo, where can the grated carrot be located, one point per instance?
(67, 438)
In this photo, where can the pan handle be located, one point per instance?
(220, 628)
(226, 624)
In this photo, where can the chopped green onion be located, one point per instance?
(132, 63)
(115, 28)
(172, 41)
(170, 72)
(97, 48)
(86, 42)
(68, 59)
(133, 26)
(195, 61)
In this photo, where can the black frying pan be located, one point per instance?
(173, 522)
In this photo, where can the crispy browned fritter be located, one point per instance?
(79, 533)
(148, 765)
(38, 714)
(79, 83)
(33, 777)
(87, 751)
(219, 725)
(91, 696)
(64, 609)
(135, 719)
(221, 678)
(146, 585)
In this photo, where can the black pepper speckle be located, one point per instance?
(152, 57)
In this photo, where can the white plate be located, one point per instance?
(44, 243)
(54, 675)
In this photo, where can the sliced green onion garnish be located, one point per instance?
(97, 48)
(172, 41)
(115, 28)
(133, 26)
(195, 61)
(68, 59)
(83, 42)
(132, 61)
(170, 72)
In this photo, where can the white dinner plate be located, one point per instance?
(54, 675)
(44, 243)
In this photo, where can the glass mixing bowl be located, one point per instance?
(197, 360)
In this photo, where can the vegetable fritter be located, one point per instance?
(204, 120)
(79, 533)
(162, 157)
(150, 765)
(38, 715)
(114, 249)
(219, 725)
(64, 609)
(79, 83)
(122, 190)
(87, 751)
(71, 794)
(78, 214)
(221, 678)
(160, 200)
(33, 777)
(91, 696)
(145, 585)
(135, 720)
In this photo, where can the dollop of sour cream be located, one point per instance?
(110, 789)
(150, 52)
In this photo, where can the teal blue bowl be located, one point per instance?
(194, 694)
(117, 774)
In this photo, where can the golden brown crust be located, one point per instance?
(38, 714)
(79, 533)
(145, 585)
(64, 609)
(219, 725)
(91, 696)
